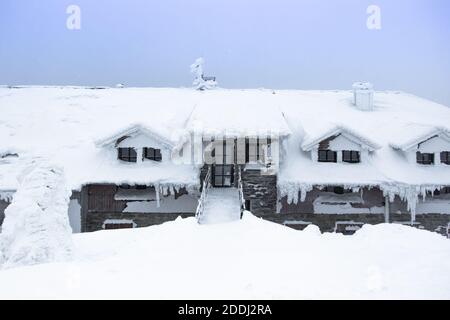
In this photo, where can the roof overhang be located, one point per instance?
(353, 136)
(132, 131)
(435, 132)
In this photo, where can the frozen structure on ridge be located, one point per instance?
(36, 228)
(202, 82)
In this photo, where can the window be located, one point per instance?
(127, 154)
(445, 190)
(327, 156)
(425, 158)
(350, 156)
(118, 224)
(337, 189)
(254, 148)
(152, 154)
(445, 157)
(111, 226)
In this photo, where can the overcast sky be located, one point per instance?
(297, 44)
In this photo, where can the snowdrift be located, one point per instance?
(247, 259)
(36, 228)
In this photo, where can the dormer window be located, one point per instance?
(445, 157)
(127, 154)
(425, 158)
(327, 156)
(152, 154)
(339, 145)
(351, 156)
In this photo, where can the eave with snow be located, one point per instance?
(138, 133)
(430, 148)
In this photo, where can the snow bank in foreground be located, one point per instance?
(36, 228)
(251, 258)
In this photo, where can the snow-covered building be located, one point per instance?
(141, 156)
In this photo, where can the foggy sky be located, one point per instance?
(310, 44)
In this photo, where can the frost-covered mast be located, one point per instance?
(202, 82)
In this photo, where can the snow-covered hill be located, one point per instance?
(250, 258)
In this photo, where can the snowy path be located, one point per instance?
(222, 205)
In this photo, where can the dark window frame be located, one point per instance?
(115, 226)
(425, 158)
(337, 189)
(445, 157)
(127, 154)
(327, 156)
(259, 145)
(444, 190)
(351, 156)
(153, 154)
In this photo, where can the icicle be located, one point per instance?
(158, 202)
(293, 190)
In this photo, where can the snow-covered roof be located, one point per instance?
(422, 134)
(64, 124)
(237, 113)
(131, 131)
(396, 116)
(311, 142)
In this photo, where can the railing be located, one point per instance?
(241, 191)
(201, 201)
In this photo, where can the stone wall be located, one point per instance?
(95, 220)
(98, 204)
(325, 222)
(261, 190)
(371, 198)
(299, 215)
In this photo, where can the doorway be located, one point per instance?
(223, 175)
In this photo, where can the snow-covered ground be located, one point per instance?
(250, 258)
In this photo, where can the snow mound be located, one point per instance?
(246, 259)
(312, 230)
(36, 228)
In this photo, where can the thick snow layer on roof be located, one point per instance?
(238, 113)
(63, 124)
(396, 118)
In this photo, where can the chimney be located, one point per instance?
(363, 96)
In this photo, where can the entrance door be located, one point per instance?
(223, 175)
